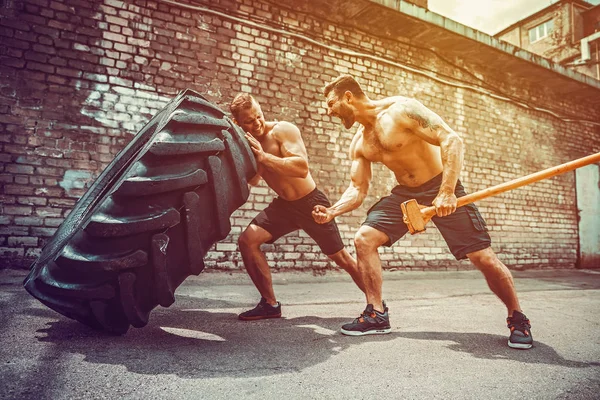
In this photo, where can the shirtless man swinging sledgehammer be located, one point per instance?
(426, 156)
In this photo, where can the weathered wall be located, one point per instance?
(563, 45)
(560, 43)
(77, 80)
(592, 21)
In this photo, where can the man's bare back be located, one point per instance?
(407, 149)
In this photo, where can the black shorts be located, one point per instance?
(282, 217)
(465, 230)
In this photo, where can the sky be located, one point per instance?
(489, 16)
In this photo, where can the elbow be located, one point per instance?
(254, 181)
(461, 147)
(457, 141)
(360, 198)
(454, 144)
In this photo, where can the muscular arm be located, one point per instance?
(431, 128)
(294, 159)
(353, 197)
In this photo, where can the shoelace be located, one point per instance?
(522, 325)
(362, 316)
(358, 319)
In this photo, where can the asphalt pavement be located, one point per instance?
(448, 341)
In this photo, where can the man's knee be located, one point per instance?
(250, 238)
(483, 259)
(368, 239)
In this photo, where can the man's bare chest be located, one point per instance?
(271, 146)
(382, 142)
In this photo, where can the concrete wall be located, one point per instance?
(77, 80)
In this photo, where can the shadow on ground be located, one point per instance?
(193, 343)
(494, 347)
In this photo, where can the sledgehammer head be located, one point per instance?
(413, 218)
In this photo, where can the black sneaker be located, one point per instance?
(520, 331)
(263, 310)
(370, 322)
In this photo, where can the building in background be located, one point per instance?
(567, 32)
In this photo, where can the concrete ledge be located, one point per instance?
(405, 22)
(469, 33)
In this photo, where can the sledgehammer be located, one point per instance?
(417, 216)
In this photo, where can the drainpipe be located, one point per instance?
(572, 24)
(597, 63)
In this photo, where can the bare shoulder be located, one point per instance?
(285, 127)
(407, 105)
(283, 130)
(414, 113)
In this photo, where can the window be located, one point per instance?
(541, 31)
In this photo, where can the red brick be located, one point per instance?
(42, 232)
(12, 62)
(32, 201)
(29, 221)
(18, 189)
(22, 241)
(17, 210)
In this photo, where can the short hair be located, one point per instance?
(242, 101)
(342, 83)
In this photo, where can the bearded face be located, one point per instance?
(337, 107)
(346, 115)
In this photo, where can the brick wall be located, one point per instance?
(77, 80)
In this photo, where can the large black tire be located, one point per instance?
(146, 223)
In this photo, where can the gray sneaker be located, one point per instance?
(263, 310)
(370, 322)
(520, 331)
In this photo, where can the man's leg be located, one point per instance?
(374, 319)
(255, 261)
(367, 240)
(327, 236)
(498, 277)
(501, 282)
(345, 261)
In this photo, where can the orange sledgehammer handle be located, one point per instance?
(428, 212)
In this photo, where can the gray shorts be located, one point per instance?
(464, 231)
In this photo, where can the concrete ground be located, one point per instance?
(448, 342)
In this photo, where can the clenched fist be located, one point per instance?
(321, 214)
(445, 204)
